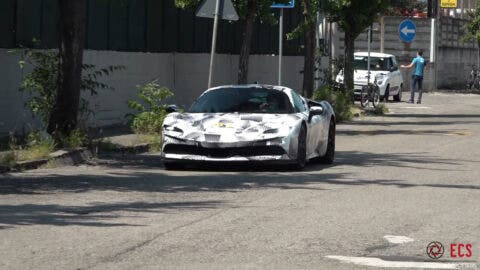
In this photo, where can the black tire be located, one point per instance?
(301, 160)
(364, 96)
(398, 97)
(329, 156)
(173, 166)
(476, 84)
(386, 95)
(376, 97)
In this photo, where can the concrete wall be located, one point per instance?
(455, 57)
(185, 74)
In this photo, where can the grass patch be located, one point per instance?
(381, 109)
(38, 150)
(153, 140)
(356, 111)
(7, 159)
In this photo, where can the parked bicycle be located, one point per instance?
(371, 93)
(473, 80)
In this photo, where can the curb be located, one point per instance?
(58, 158)
(134, 149)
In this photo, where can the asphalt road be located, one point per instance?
(413, 173)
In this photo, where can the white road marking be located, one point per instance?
(397, 239)
(376, 262)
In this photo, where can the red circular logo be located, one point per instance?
(435, 250)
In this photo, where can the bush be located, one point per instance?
(381, 109)
(77, 138)
(151, 111)
(41, 82)
(341, 101)
(7, 159)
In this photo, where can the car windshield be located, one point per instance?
(243, 100)
(376, 63)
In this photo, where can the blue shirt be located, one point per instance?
(419, 65)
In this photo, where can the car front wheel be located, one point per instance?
(398, 97)
(301, 160)
(330, 153)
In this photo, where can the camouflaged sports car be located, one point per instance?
(258, 123)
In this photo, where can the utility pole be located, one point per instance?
(214, 43)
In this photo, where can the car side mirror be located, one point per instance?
(393, 68)
(315, 110)
(172, 108)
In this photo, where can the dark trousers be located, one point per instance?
(416, 80)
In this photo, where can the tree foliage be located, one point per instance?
(405, 7)
(263, 10)
(41, 82)
(353, 17)
(472, 28)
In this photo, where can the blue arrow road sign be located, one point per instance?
(407, 30)
(290, 4)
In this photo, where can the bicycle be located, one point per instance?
(370, 93)
(473, 79)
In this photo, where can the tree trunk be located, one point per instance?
(309, 59)
(348, 66)
(71, 25)
(247, 33)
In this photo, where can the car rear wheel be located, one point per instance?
(301, 160)
(398, 97)
(330, 153)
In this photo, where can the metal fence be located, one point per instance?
(138, 25)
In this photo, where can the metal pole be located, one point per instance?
(369, 38)
(433, 50)
(280, 47)
(214, 43)
(382, 34)
(317, 46)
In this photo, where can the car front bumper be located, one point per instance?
(279, 150)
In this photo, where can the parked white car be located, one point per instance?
(384, 67)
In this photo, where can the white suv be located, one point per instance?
(384, 67)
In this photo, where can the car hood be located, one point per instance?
(360, 76)
(228, 127)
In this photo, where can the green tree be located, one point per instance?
(404, 7)
(353, 17)
(472, 28)
(72, 25)
(309, 10)
(306, 29)
(248, 11)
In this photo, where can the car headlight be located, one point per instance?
(271, 131)
(172, 130)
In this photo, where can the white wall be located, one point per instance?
(185, 74)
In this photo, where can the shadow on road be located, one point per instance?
(144, 173)
(97, 215)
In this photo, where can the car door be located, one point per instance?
(397, 76)
(313, 126)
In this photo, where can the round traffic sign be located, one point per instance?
(407, 30)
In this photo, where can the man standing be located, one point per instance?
(418, 64)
